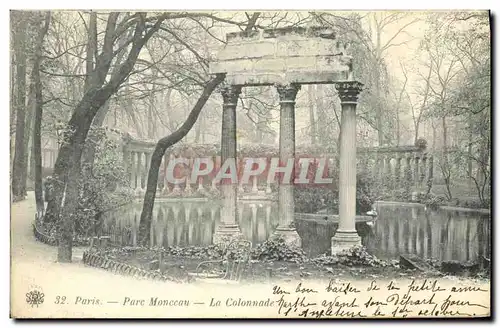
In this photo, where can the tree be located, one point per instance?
(373, 34)
(168, 141)
(99, 89)
(37, 128)
(18, 169)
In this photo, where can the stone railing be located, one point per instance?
(396, 167)
(399, 167)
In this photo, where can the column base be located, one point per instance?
(344, 240)
(290, 236)
(226, 234)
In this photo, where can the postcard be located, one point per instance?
(250, 164)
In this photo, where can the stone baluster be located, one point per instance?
(134, 229)
(387, 166)
(268, 216)
(430, 172)
(391, 245)
(253, 222)
(133, 169)
(176, 189)
(423, 168)
(408, 171)
(199, 181)
(380, 168)
(138, 176)
(213, 185)
(166, 189)
(255, 182)
(170, 227)
(126, 164)
(268, 181)
(240, 167)
(147, 164)
(213, 219)
(187, 189)
(416, 168)
(179, 226)
(387, 170)
(397, 170)
(261, 228)
(189, 221)
(375, 168)
(346, 235)
(241, 210)
(229, 228)
(286, 202)
(199, 223)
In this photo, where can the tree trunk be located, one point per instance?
(398, 132)
(90, 147)
(62, 206)
(445, 168)
(29, 130)
(19, 151)
(161, 147)
(378, 108)
(469, 158)
(37, 128)
(90, 144)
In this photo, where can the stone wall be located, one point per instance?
(286, 55)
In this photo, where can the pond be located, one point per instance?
(399, 229)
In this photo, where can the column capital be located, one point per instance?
(230, 95)
(287, 92)
(349, 91)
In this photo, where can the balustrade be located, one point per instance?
(397, 167)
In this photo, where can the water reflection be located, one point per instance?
(189, 223)
(430, 233)
(399, 229)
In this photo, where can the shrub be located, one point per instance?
(275, 249)
(103, 185)
(355, 256)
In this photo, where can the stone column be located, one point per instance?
(228, 228)
(286, 202)
(346, 235)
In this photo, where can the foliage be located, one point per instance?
(102, 186)
(312, 199)
(433, 200)
(355, 256)
(275, 249)
(211, 252)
